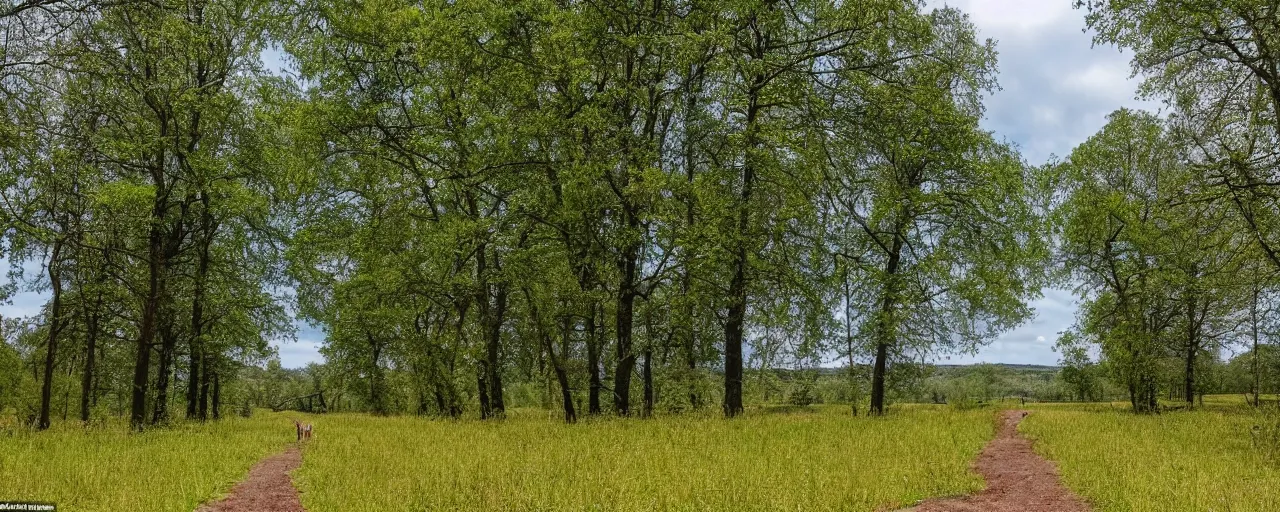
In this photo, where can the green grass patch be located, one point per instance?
(769, 460)
(1201, 459)
(105, 468)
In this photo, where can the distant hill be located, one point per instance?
(1017, 367)
(960, 368)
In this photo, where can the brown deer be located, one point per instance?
(303, 429)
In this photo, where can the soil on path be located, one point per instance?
(1018, 480)
(268, 487)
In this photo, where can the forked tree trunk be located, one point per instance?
(55, 328)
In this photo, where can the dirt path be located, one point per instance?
(268, 487)
(1018, 480)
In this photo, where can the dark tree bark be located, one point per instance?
(206, 369)
(151, 304)
(492, 316)
(55, 329)
(193, 381)
(885, 326)
(557, 366)
(562, 376)
(197, 309)
(493, 352)
(693, 90)
(1189, 383)
(217, 395)
(1253, 321)
(647, 372)
(445, 384)
(88, 379)
(92, 313)
(168, 345)
(625, 319)
(593, 364)
(486, 410)
(376, 398)
(734, 329)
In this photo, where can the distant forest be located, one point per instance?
(613, 207)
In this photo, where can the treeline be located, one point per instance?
(135, 168)
(635, 199)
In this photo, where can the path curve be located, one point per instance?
(268, 487)
(1018, 480)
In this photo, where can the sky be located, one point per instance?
(1056, 91)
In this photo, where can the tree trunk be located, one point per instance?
(1253, 320)
(55, 328)
(1190, 380)
(848, 339)
(885, 327)
(447, 382)
(648, 382)
(736, 319)
(493, 345)
(376, 398)
(205, 370)
(693, 91)
(147, 330)
(168, 344)
(217, 395)
(562, 376)
(1193, 348)
(193, 382)
(625, 319)
(482, 386)
(733, 343)
(197, 309)
(87, 390)
(593, 364)
(491, 319)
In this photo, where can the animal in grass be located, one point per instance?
(304, 430)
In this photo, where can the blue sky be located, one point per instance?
(1056, 90)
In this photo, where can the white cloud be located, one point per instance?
(1109, 77)
(1040, 339)
(1014, 15)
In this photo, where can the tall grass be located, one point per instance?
(812, 461)
(107, 469)
(1199, 460)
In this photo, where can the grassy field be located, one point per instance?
(106, 469)
(812, 461)
(807, 459)
(1200, 460)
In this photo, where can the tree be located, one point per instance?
(1079, 371)
(1219, 65)
(942, 224)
